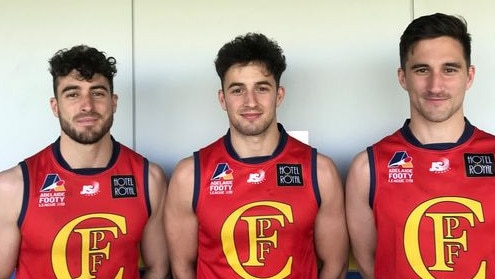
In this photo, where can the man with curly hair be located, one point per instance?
(85, 206)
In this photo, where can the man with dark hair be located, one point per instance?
(256, 203)
(420, 202)
(86, 206)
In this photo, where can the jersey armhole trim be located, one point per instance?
(371, 161)
(197, 181)
(146, 185)
(314, 176)
(25, 195)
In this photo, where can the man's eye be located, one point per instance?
(236, 91)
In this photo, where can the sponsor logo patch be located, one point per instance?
(123, 186)
(90, 189)
(52, 192)
(479, 165)
(257, 177)
(222, 180)
(400, 168)
(441, 166)
(289, 175)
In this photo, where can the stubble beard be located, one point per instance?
(250, 128)
(439, 116)
(90, 135)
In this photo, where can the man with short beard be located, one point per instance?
(86, 206)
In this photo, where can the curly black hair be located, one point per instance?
(252, 47)
(88, 61)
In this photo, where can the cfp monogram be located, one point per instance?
(260, 242)
(91, 255)
(447, 246)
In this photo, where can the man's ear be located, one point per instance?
(221, 99)
(280, 95)
(54, 106)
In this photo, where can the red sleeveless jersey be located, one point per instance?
(256, 215)
(434, 206)
(82, 223)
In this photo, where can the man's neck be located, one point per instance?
(80, 156)
(255, 146)
(428, 132)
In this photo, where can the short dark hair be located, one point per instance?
(434, 26)
(88, 61)
(252, 47)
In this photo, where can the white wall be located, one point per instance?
(341, 78)
(341, 59)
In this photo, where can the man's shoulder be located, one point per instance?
(14, 172)
(11, 181)
(484, 134)
(124, 149)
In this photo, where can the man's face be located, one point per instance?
(85, 108)
(250, 96)
(436, 77)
